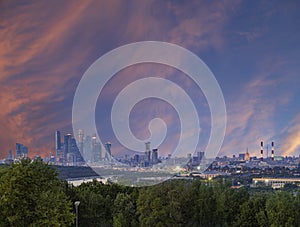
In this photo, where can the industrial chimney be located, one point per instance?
(272, 156)
(261, 150)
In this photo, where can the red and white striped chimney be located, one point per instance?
(261, 150)
(272, 151)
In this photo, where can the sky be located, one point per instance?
(252, 48)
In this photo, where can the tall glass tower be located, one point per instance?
(57, 141)
(108, 151)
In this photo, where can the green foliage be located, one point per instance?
(162, 205)
(252, 212)
(98, 203)
(31, 195)
(280, 209)
(124, 207)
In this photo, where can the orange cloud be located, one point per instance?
(291, 143)
(28, 80)
(45, 48)
(250, 115)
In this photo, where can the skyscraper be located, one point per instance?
(10, 154)
(58, 146)
(147, 144)
(21, 151)
(154, 156)
(108, 151)
(57, 141)
(147, 151)
(200, 156)
(67, 145)
(18, 150)
(9, 159)
(75, 151)
(80, 141)
(87, 148)
(97, 153)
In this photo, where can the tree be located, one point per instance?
(94, 206)
(104, 204)
(297, 208)
(161, 205)
(280, 209)
(124, 210)
(252, 212)
(32, 195)
(228, 205)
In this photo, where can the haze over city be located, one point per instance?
(250, 46)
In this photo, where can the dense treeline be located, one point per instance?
(32, 189)
(32, 195)
(184, 203)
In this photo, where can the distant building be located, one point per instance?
(247, 156)
(58, 147)
(147, 144)
(57, 141)
(136, 159)
(147, 152)
(80, 141)
(200, 155)
(10, 155)
(154, 156)
(9, 159)
(87, 144)
(275, 182)
(242, 156)
(97, 152)
(68, 151)
(67, 145)
(76, 152)
(21, 151)
(107, 151)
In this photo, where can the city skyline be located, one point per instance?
(84, 149)
(251, 47)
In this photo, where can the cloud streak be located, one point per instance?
(45, 47)
(291, 141)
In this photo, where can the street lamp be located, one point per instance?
(76, 203)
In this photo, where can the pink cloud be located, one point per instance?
(291, 143)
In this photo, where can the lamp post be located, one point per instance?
(76, 203)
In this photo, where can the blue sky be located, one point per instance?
(252, 47)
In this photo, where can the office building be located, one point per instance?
(21, 151)
(154, 159)
(108, 151)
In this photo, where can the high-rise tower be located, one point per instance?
(67, 145)
(58, 146)
(21, 151)
(147, 151)
(57, 141)
(108, 151)
(154, 156)
(80, 141)
(88, 148)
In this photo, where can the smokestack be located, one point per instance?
(261, 150)
(272, 151)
